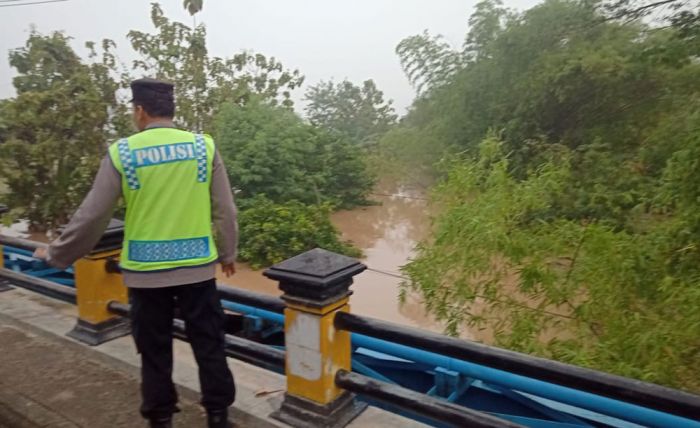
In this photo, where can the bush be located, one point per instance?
(271, 232)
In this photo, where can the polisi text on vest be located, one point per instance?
(163, 154)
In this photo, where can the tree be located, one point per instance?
(269, 150)
(178, 53)
(428, 61)
(55, 131)
(568, 221)
(683, 15)
(359, 114)
(290, 176)
(485, 24)
(557, 72)
(628, 10)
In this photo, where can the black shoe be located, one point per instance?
(218, 418)
(166, 422)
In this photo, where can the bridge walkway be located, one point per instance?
(48, 380)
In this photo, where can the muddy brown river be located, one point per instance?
(386, 233)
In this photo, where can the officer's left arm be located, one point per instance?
(90, 220)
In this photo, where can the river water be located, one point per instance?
(387, 234)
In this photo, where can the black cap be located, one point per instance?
(147, 89)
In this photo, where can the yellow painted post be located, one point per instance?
(97, 285)
(316, 287)
(95, 288)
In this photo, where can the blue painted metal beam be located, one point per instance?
(368, 371)
(22, 261)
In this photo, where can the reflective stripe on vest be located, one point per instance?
(127, 163)
(168, 251)
(201, 151)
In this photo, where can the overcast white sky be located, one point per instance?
(324, 39)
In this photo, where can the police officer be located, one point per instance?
(175, 185)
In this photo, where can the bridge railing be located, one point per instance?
(321, 334)
(590, 389)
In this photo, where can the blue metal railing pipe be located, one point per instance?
(42, 286)
(251, 310)
(19, 251)
(252, 299)
(596, 403)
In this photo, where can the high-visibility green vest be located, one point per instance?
(166, 176)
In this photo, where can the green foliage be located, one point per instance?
(269, 150)
(563, 75)
(572, 231)
(290, 175)
(485, 25)
(273, 232)
(581, 292)
(358, 114)
(178, 53)
(54, 132)
(555, 72)
(428, 61)
(406, 154)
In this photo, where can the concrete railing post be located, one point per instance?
(97, 283)
(316, 287)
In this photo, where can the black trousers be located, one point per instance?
(152, 311)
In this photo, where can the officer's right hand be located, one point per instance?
(229, 269)
(40, 253)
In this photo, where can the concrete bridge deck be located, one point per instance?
(49, 380)
(45, 381)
